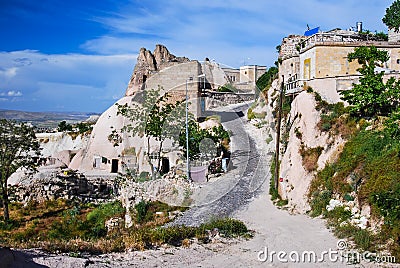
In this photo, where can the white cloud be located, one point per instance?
(8, 73)
(229, 30)
(11, 93)
(14, 93)
(74, 81)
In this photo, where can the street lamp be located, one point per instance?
(190, 78)
(187, 130)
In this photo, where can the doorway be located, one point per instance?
(164, 165)
(114, 166)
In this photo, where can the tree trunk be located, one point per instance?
(159, 156)
(149, 159)
(5, 203)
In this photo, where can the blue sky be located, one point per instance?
(79, 55)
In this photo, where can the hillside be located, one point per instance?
(44, 119)
(336, 166)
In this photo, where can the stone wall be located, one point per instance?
(232, 74)
(70, 187)
(250, 74)
(216, 99)
(327, 61)
(289, 68)
(393, 36)
(173, 80)
(289, 46)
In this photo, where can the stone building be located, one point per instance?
(153, 69)
(289, 56)
(244, 79)
(320, 61)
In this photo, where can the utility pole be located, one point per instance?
(278, 134)
(187, 130)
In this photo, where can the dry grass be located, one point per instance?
(186, 243)
(60, 226)
(310, 157)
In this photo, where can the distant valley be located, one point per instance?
(45, 119)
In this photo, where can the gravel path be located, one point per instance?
(230, 192)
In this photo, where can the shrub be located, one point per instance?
(272, 190)
(77, 230)
(172, 235)
(368, 165)
(9, 225)
(260, 115)
(227, 88)
(265, 81)
(269, 139)
(141, 210)
(348, 197)
(228, 227)
(388, 203)
(393, 124)
(143, 176)
(96, 219)
(250, 114)
(363, 239)
(338, 215)
(319, 201)
(148, 237)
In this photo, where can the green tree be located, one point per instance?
(18, 149)
(393, 124)
(152, 116)
(266, 79)
(218, 135)
(83, 127)
(64, 126)
(392, 16)
(371, 96)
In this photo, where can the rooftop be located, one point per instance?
(341, 37)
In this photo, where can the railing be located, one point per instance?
(293, 85)
(335, 37)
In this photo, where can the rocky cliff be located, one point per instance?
(304, 147)
(149, 63)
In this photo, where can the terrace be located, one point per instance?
(340, 37)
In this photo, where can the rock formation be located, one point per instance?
(149, 63)
(152, 70)
(301, 132)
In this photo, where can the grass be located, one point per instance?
(63, 226)
(368, 166)
(272, 190)
(335, 118)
